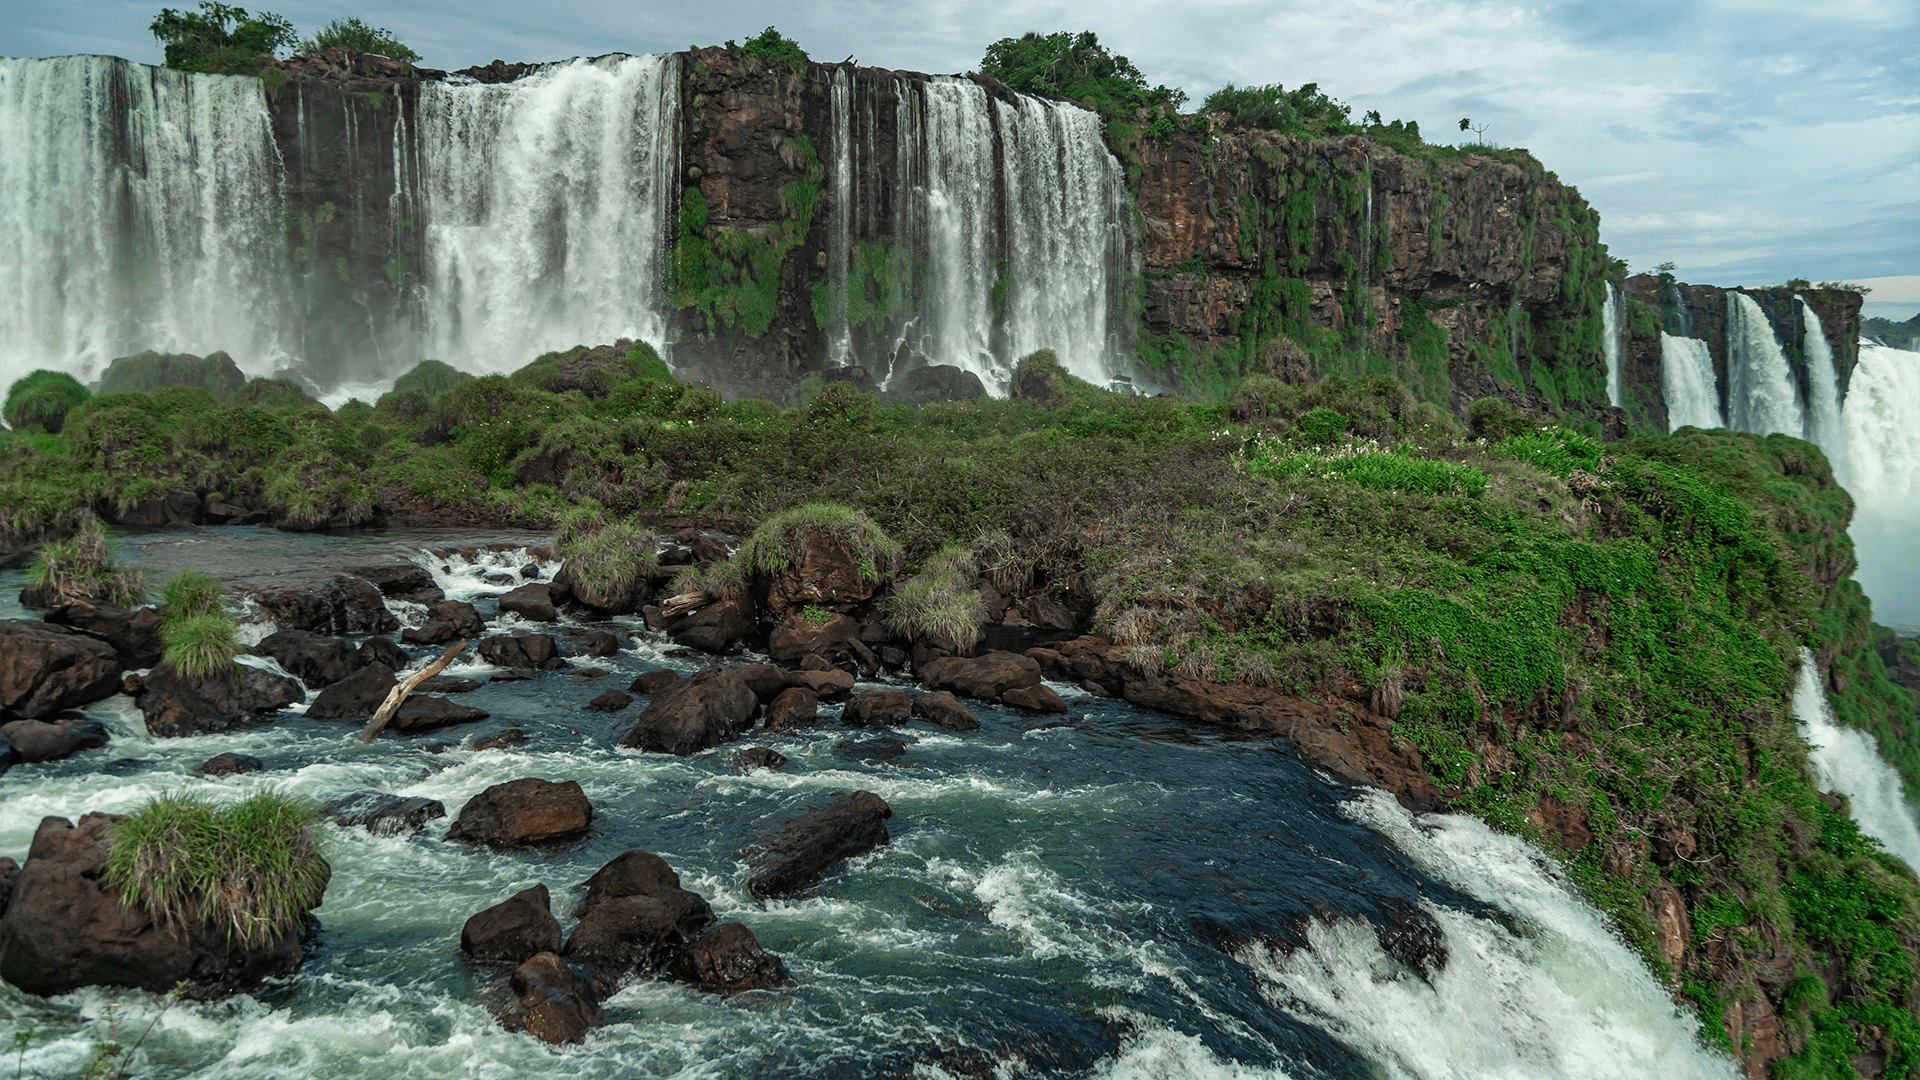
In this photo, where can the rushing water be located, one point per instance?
(1688, 384)
(1846, 761)
(1104, 894)
(1610, 344)
(1761, 394)
(1823, 424)
(1882, 421)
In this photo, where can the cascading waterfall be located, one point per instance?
(961, 227)
(1882, 423)
(544, 203)
(1762, 396)
(1610, 344)
(1845, 761)
(1823, 425)
(139, 209)
(1688, 384)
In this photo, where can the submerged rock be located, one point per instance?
(729, 960)
(230, 764)
(522, 812)
(35, 741)
(652, 682)
(556, 1004)
(759, 757)
(797, 852)
(386, 815)
(45, 668)
(712, 707)
(609, 701)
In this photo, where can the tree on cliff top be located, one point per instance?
(1075, 67)
(353, 34)
(219, 38)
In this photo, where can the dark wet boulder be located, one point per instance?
(531, 602)
(985, 677)
(134, 634)
(34, 741)
(638, 932)
(382, 650)
(556, 1004)
(712, 707)
(230, 764)
(877, 708)
(942, 709)
(936, 382)
(522, 649)
(386, 815)
(795, 707)
(9, 878)
(830, 637)
(501, 740)
(238, 696)
(354, 697)
(343, 606)
(609, 701)
(759, 757)
(631, 873)
(797, 852)
(424, 712)
(314, 659)
(515, 929)
(716, 627)
(765, 680)
(729, 960)
(521, 812)
(594, 643)
(831, 684)
(446, 621)
(401, 580)
(652, 682)
(46, 668)
(447, 684)
(1039, 698)
(65, 929)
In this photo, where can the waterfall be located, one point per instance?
(1846, 762)
(1687, 383)
(545, 208)
(140, 208)
(960, 217)
(1882, 422)
(1610, 343)
(1823, 418)
(1761, 394)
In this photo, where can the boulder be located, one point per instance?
(728, 960)
(530, 602)
(39, 740)
(134, 634)
(447, 684)
(519, 927)
(942, 709)
(65, 929)
(765, 680)
(985, 677)
(46, 668)
(314, 659)
(424, 712)
(877, 708)
(758, 757)
(712, 707)
(798, 851)
(632, 873)
(825, 573)
(795, 707)
(612, 598)
(831, 638)
(609, 701)
(522, 649)
(520, 812)
(176, 704)
(627, 933)
(386, 815)
(652, 682)
(716, 627)
(831, 684)
(591, 642)
(382, 650)
(556, 1004)
(446, 621)
(230, 764)
(513, 736)
(354, 697)
(344, 606)
(1037, 698)
(935, 382)
(401, 580)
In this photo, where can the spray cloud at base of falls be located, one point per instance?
(1882, 427)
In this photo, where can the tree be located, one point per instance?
(220, 39)
(1305, 111)
(353, 34)
(1075, 67)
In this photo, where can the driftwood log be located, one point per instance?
(398, 695)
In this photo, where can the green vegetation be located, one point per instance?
(609, 558)
(251, 868)
(782, 540)
(729, 276)
(351, 33)
(42, 400)
(220, 38)
(196, 633)
(773, 47)
(939, 605)
(81, 568)
(1076, 67)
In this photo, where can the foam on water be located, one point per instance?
(1845, 761)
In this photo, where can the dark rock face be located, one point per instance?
(556, 1003)
(404, 580)
(354, 697)
(609, 701)
(514, 930)
(344, 606)
(634, 915)
(424, 712)
(877, 708)
(532, 602)
(382, 650)
(652, 682)
(765, 680)
(830, 685)
(712, 707)
(1038, 698)
(521, 649)
(795, 707)
(64, 929)
(728, 960)
(230, 764)
(936, 382)
(44, 669)
(716, 627)
(985, 677)
(386, 815)
(828, 639)
(521, 812)
(797, 852)
(176, 704)
(134, 635)
(758, 757)
(314, 659)
(37, 740)
(446, 620)
(942, 709)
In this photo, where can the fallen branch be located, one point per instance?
(683, 603)
(398, 695)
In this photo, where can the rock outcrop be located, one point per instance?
(796, 853)
(175, 704)
(713, 706)
(44, 669)
(523, 812)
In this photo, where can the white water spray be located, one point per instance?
(1845, 761)
(1761, 394)
(545, 202)
(139, 209)
(1688, 384)
(1882, 423)
(1823, 415)
(1610, 344)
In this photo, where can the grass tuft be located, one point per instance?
(780, 541)
(939, 605)
(191, 592)
(81, 568)
(43, 399)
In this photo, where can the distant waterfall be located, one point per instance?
(1761, 394)
(1688, 384)
(139, 209)
(1845, 761)
(969, 231)
(545, 203)
(1610, 344)
(1882, 422)
(1823, 424)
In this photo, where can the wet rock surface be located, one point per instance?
(314, 659)
(354, 697)
(712, 707)
(942, 709)
(556, 1004)
(175, 704)
(386, 815)
(516, 929)
(523, 812)
(985, 677)
(877, 708)
(230, 764)
(46, 668)
(796, 853)
(133, 633)
(728, 960)
(446, 621)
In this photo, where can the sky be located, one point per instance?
(1748, 143)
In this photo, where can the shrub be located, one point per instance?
(608, 558)
(1076, 67)
(939, 604)
(220, 38)
(191, 592)
(1304, 112)
(82, 568)
(251, 868)
(43, 400)
(351, 33)
(431, 378)
(199, 645)
(775, 48)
